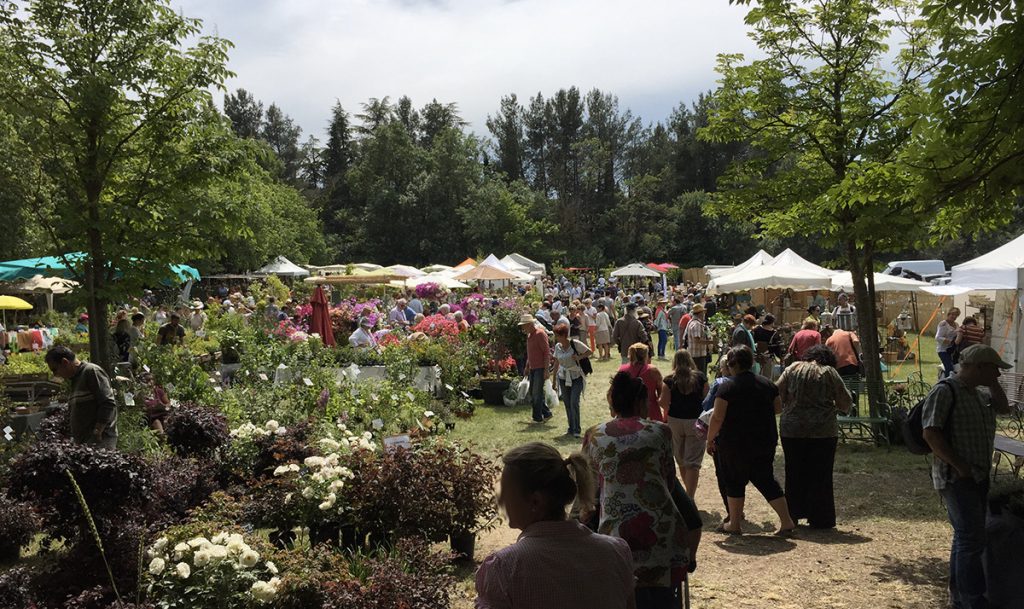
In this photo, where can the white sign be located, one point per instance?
(394, 442)
(129, 399)
(307, 382)
(218, 389)
(263, 377)
(377, 424)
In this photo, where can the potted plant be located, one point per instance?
(18, 523)
(474, 506)
(499, 375)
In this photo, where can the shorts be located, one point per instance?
(687, 446)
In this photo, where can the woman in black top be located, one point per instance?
(744, 434)
(682, 396)
(769, 346)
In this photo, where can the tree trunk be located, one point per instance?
(861, 269)
(95, 275)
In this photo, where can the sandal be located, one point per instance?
(721, 529)
(785, 532)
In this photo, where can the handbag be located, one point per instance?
(585, 364)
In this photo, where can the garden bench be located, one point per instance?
(874, 429)
(1010, 450)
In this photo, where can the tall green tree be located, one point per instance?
(282, 134)
(117, 110)
(827, 114)
(245, 112)
(971, 147)
(507, 129)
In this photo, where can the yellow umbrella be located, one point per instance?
(12, 303)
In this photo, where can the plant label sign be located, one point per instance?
(263, 376)
(307, 382)
(218, 388)
(393, 443)
(145, 367)
(129, 399)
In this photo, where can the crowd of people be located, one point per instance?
(616, 523)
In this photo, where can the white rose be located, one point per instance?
(293, 467)
(218, 552)
(156, 566)
(280, 431)
(281, 470)
(271, 425)
(271, 567)
(183, 570)
(336, 485)
(428, 413)
(161, 544)
(249, 558)
(330, 444)
(263, 592)
(201, 558)
(180, 550)
(314, 461)
(198, 542)
(235, 540)
(307, 492)
(219, 538)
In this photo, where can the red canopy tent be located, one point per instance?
(321, 322)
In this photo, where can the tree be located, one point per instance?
(828, 120)
(971, 147)
(245, 112)
(282, 134)
(507, 129)
(119, 116)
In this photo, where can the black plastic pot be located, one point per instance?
(494, 390)
(463, 545)
(324, 534)
(9, 552)
(282, 539)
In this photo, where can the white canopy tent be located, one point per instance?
(993, 283)
(535, 268)
(404, 270)
(520, 275)
(284, 267)
(772, 276)
(761, 258)
(883, 283)
(436, 268)
(635, 270)
(790, 258)
(444, 280)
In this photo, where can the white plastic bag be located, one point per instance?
(524, 390)
(550, 396)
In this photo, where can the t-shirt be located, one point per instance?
(809, 400)
(675, 314)
(802, 341)
(749, 424)
(170, 334)
(769, 338)
(688, 405)
(842, 343)
(91, 403)
(741, 337)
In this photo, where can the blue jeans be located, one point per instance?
(657, 597)
(662, 342)
(966, 503)
(677, 339)
(540, 409)
(947, 363)
(571, 398)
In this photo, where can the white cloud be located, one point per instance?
(305, 54)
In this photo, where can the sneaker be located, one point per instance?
(547, 417)
(577, 435)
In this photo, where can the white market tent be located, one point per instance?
(635, 270)
(436, 268)
(534, 268)
(790, 258)
(883, 283)
(761, 258)
(771, 276)
(442, 279)
(404, 270)
(997, 279)
(284, 267)
(520, 275)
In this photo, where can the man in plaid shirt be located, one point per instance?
(959, 421)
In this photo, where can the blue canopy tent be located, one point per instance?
(54, 266)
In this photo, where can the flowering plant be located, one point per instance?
(501, 367)
(429, 290)
(438, 326)
(224, 569)
(319, 480)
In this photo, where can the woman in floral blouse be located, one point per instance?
(633, 458)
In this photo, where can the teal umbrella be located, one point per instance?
(54, 266)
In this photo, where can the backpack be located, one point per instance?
(913, 428)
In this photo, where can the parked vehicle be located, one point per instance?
(933, 271)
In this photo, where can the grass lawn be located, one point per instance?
(890, 549)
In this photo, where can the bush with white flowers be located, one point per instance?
(222, 572)
(320, 480)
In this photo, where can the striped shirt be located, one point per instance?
(969, 426)
(558, 565)
(696, 332)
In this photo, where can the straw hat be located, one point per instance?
(527, 319)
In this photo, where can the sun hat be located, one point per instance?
(982, 354)
(526, 318)
(697, 308)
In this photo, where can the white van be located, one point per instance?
(924, 270)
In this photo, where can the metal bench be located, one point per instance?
(863, 428)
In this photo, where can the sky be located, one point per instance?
(307, 54)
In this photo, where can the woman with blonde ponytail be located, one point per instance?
(556, 563)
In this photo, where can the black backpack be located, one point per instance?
(913, 429)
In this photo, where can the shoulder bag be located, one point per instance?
(585, 365)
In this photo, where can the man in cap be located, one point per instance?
(698, 340)
(628, 330)
(538, 359)
(959, 421)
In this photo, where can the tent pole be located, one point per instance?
(917, 322)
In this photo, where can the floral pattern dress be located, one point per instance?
(633, 461)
